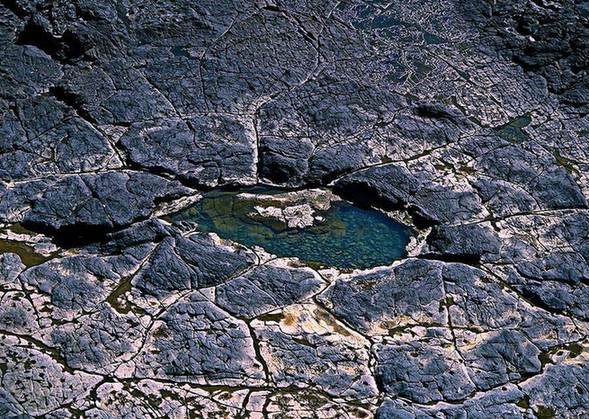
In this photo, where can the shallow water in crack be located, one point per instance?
(346, 236)
(26, 253)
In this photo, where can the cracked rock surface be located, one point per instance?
(467, 120)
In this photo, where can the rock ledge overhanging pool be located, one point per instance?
(313, 225)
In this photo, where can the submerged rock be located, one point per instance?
(339, 235)
(295, 209)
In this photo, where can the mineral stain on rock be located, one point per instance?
(321, 232)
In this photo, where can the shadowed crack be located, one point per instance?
(65, 48)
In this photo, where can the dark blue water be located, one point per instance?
(348, 237)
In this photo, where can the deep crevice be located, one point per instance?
(64, 48)
(72, 100)
(471, 260)
(71, 236)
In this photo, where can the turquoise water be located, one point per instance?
(348, 237)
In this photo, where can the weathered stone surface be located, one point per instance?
(496, 358)
(192, 262)
(468, 120)
(45, 136)
(195, 341)
(306, 348)
(467, 242)
(425, 370)
(376, 303)
(99, 202)
(266, 288)
(139, 398)
(562, 390)
(540, 396)
(99, 342)
(537, 173)
(394, 187)
(205, 150)
(503, 402)
(334, 110)
(551, 251)
(34, 383)
(10, 267)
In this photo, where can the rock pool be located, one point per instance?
(340, 235)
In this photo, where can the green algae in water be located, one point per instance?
(27, 253)
(513, 131)
(348, 237)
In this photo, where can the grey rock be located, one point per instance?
(99, 342)
(194, 341)
(561, 390)
(206, 150)
(502, 357)
(307, 348)
(467, 242)
(425, 370)
(44, 136)
(185, 263)
(503, 403)
(27, 364)
(266, 288)
(378, 302)
(551, 186)
(393, 187)
(466, 119)
(100, 202)
(10, 266)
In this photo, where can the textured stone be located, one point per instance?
(266, 288)
(466, 120)
(96, 203)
